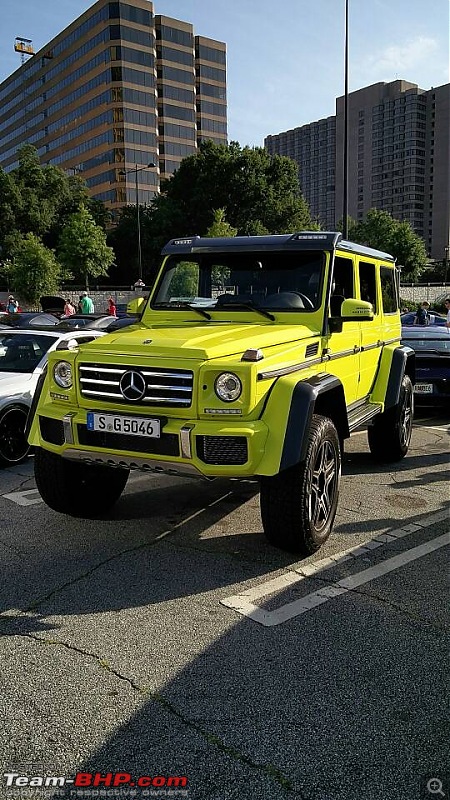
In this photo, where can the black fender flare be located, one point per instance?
(322, 394)
(403, 363)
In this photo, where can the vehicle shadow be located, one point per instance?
(257, 712)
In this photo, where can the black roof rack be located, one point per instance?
(302, 240)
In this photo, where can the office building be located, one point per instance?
(119, 88)
(398, 155)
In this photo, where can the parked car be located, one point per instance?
(122, 322)
(90, 321)
(23, 356)
(52, 304)
(431, 344)
(435, 318)
(27, 319)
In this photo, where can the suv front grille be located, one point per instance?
(166, 445)
(163, 387)
(222, 449)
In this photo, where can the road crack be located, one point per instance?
(266, 768)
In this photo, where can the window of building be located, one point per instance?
(175, 35)
(177, 56)
(210, 54)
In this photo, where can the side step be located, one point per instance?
(360, 416)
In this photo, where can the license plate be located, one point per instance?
(117, 423)
(423, 388)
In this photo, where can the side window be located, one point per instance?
(389, 290)
(368, 283)
(343, 284)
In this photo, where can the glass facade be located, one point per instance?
(396, 130)
(118, 87)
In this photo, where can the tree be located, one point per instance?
(82, 247)
(39, 199)
(393, 236)
(34, 270)
(257, 193)
(219, 226)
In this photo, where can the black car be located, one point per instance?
(96, 321)
(27, 319)
(432, 347)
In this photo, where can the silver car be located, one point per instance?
(23, 357)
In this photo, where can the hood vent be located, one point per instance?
(312, 350)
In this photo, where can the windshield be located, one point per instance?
(442, 344)
(276, 281)
(22, 352)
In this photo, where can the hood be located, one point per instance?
(200, 342)
(52, 303)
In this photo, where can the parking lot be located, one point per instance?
(170, 640)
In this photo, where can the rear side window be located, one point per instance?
(389, 290)
(367, 283)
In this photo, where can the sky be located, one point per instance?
(285, 60)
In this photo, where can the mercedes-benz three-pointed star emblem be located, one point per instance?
(132, 385)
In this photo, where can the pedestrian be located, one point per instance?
(69, 308)
(447, 306)
(12, 305)
(422, 314)
(111, 307)
(86, 304)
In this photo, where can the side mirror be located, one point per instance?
(353, 310)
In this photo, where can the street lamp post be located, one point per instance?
(137, 169)
(345, 165)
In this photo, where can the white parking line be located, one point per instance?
(22, 499)
(243, 602)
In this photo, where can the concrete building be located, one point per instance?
(399, 159)
(119, 88)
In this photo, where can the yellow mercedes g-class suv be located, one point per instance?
(255, 356)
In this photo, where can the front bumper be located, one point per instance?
(199, 448)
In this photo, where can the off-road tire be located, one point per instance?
(298, 506)
(14, 447)
(390, 434)
(80, 490)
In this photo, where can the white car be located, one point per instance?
(23, 357)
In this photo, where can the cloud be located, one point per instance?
(399, 60)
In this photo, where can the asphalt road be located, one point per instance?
(170, 639)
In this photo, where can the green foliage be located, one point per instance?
(219, 226)
(385, 233)
(123, 239)
(34, 270)
(39, 200)
(251, 187)
(82, 247)
(256, 192)
(185, 280)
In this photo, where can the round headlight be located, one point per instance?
(62, 373)
(228, 387)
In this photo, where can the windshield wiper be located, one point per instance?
(181, 304)
(250, 306)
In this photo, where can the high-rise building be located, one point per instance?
(398, 156)
(119, 88)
